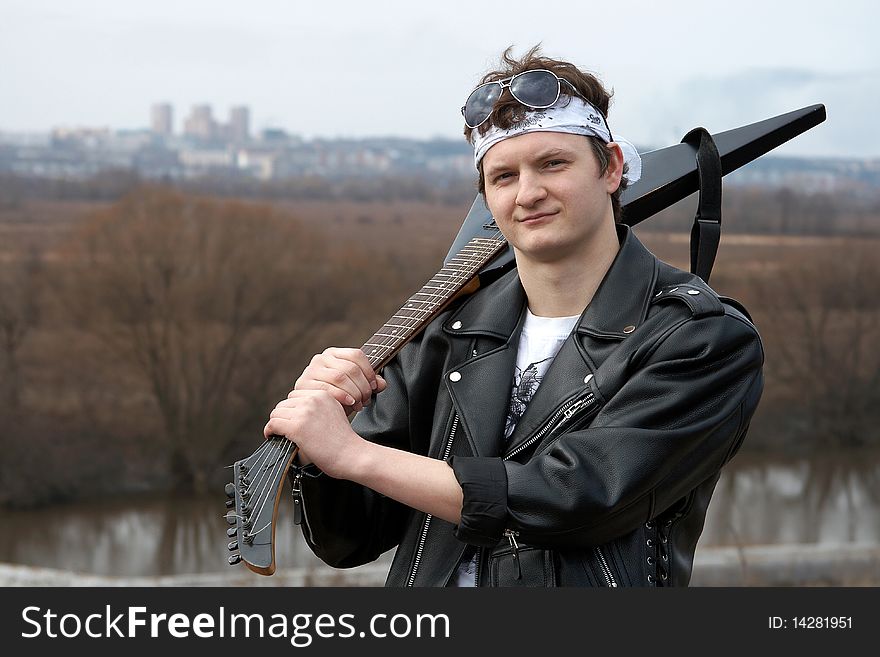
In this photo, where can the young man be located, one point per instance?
(565, 425)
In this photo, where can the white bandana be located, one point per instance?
(570, 114)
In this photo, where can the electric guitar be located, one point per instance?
(479, 255)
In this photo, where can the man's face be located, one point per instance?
(546, 195)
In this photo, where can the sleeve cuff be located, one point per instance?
(483, 481)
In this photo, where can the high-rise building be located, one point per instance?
(200, 123)
(161, 119)
(239, 124)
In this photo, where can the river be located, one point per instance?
(829, 501)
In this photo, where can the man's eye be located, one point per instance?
(503, 176)
(554, 163)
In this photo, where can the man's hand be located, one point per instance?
(345, 374)
(317, 423)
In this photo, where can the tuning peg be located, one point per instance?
(234, 559)
(231, 532)
(230, 490)
(233, 546)
(231, 519)
(230, 504)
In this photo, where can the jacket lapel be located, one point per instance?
(480, 384)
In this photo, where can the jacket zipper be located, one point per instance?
(511, 537)
(477, 569)
(606, 571)
(560, 417)
(424, 534)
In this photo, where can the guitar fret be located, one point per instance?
(424, 303)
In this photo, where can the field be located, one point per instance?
(155, 332)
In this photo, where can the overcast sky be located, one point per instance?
(387, 67)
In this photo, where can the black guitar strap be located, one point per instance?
(706, 232)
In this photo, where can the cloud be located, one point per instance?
(722, 103)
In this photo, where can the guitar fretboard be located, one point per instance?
(422, 306)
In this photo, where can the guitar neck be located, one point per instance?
(458, 276)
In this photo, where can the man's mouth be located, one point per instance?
(534, 217)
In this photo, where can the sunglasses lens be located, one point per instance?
(535, 88)
(480, 103)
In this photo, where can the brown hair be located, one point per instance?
(508, 111)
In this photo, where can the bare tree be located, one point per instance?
(20, 284)
(820, 317)
(202, 302)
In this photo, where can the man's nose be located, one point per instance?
(530, 190)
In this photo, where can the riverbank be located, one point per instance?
(760, 565)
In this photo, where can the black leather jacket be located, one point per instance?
(606, 478)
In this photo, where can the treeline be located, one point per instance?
(112, 185)
(784, 211)
(145, 350)
(148, 349)
(753, 210)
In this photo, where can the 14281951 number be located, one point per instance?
(822, 622)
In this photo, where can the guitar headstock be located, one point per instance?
(253, 498)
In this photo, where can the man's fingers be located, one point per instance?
(358, 358)
(355, 374)
(341, 392)
(345, 373)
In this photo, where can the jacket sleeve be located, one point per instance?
(679, 415)
(347, 524)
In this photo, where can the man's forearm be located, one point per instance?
(420, 482)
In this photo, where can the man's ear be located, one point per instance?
(614, 172)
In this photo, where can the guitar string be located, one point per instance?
(260, 465)
(262, 491)
(457, 277)
(482, 249)
(416, 311)
(280, 466)
(266, 469)
(262, 449)
(412, 314)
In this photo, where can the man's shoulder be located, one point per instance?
(675, 285)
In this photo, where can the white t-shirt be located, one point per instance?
(539, 342)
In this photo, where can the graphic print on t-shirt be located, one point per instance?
(525, 382)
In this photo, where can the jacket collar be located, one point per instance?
(622, 299)
(620, 302)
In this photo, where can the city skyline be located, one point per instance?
(397, 69)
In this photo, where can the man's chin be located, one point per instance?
(543, 251)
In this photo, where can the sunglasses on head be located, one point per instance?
(537, 89)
